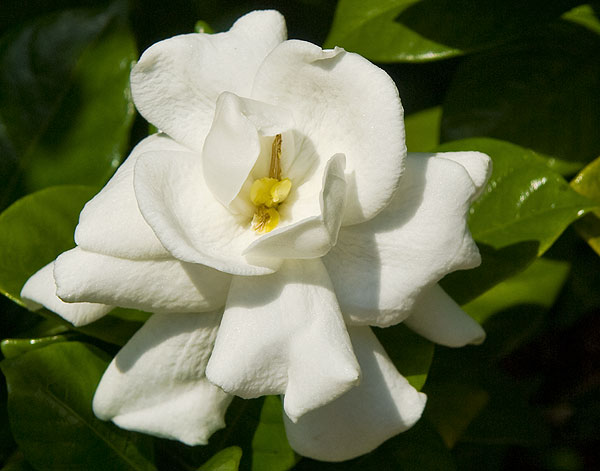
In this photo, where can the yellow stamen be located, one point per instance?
(260, 192)
(265, 220)
(275, 167)
(280, 190)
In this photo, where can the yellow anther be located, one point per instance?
(265, 220)
(280, 191)
(260, 192)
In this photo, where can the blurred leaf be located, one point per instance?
(225, 460)
(203, 27)
(523, 201)
(17, 463)
(423, 130)
(583, 15)
(416, 31)
(540, 93)
(65, 107)
(587, 183)
(49, 406)
(270, 448)
(35, 230)
(411, 353)
(12, 348)
(539, 285)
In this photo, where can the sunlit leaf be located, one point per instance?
(413, 30)
(51, 416)
(12, 348)
(587, 183)
(423, 130)
(270, 448)
(540, 93)
(225, 460)
(65, 107)
(584, 15)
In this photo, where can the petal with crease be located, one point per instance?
(111, 222)
(381, 406)
(176, 82)
(378, 268)
(478, 165)
(438, 318)
(284, 334)
(312, 236)
(342, 104)
(164, 285)
(189, 222)
(40, 290)
(156, 383)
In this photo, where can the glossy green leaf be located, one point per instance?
(423, 130)
(35, 230)
(587, 183)
(49, 406)
(12, 348)
(540, 93)
(225, 460)
(413, 30)
(538, 285)
(65, 107)
(270, 448)
(411, 353)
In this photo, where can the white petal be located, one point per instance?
(176, 83)
(233, 144)
(190, 223)
(478, 165)
(40, 290)
(150, 285)
(438, 318)
(342, 104)
(284, 334)
(379, 267)
(383, 405)
(111, 222)
(156, 383)
(311, 236)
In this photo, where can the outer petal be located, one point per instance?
(111, 222)
(176, 82)
(190, 223)
(343, 104)
(311, 236)
(284, 334)
(438, 318)
(151, 285)
(478, 165)
(156, 383)
(379, 268)
(40, 290)
(233, 144)
(383, 405)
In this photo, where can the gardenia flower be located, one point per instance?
(271, 222)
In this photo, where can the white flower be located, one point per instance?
(256, 291)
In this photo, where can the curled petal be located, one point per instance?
(176, 83)
(189, 222)
(150, 285)
(381, 406)
(111, 222)
(438, 318)
(40, 290)
(477, 164)
(156, 383)
(380, 267)
(284, 334)
(343, 104)
(316, 229)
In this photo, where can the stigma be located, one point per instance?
(268, 193)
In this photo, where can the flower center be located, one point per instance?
(268, 192)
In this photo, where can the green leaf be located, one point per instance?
(416, 31)
(270, 448)
(584, 15)
(538, 285)
(65, 107)
(49, 406)
(12, 348)
(411, 353)
(423, 130)
(225, 460)
(587, 183)
(541, 93)
(35, 230)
